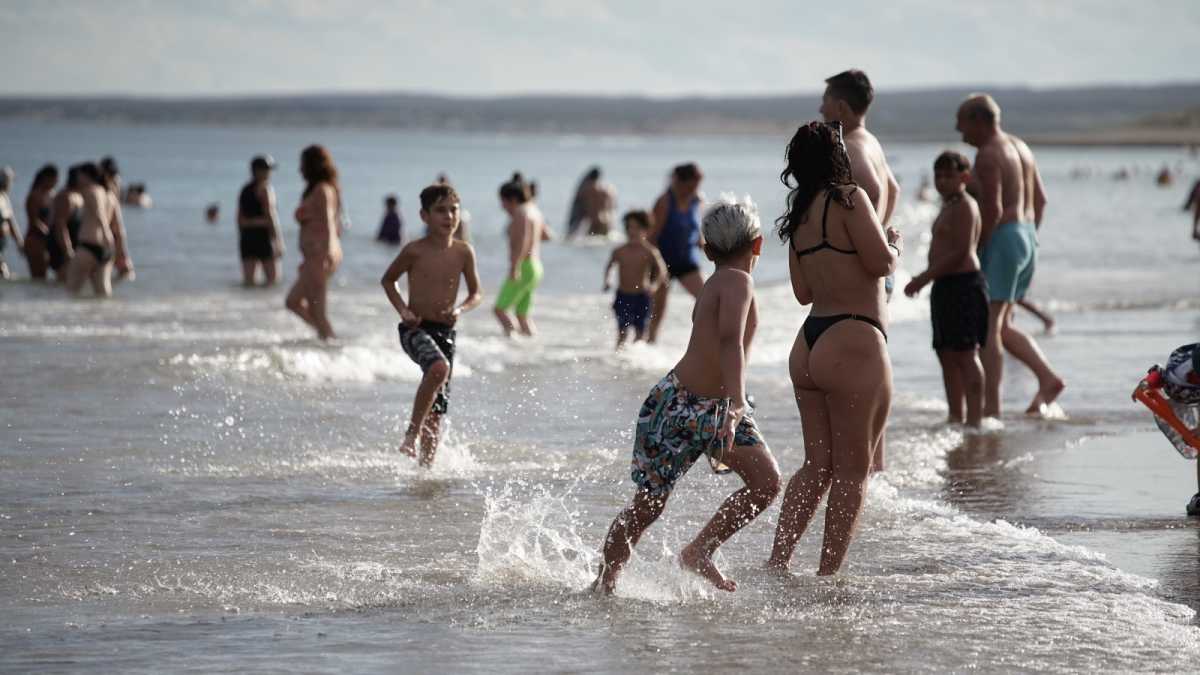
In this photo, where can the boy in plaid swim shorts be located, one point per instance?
(434, 264)
(700, 408)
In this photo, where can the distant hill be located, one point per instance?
(1166, 112)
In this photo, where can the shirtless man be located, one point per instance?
(594, 204)
(848, 96)
(97, 237)
(1011, 202)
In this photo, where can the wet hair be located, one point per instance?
(816, 160)
(981, 107)
(391, 200)
(517, 189)
(592, 174)
(951, 161)
(108, 166)
(316, 165)
(854, 87)
(48, 172)
(435, 193)
(686, 173)
(638, 217)
(730, 226)
(91, 171)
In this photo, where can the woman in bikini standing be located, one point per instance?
(319, 215)
(838, 257)
(37, 213)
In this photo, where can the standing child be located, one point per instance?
(434, 264)
(700, 408)
(640, 269)
(526, 231)
(958, 302)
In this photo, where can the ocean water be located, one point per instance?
(189, 481)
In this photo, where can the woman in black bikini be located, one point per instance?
(838, 256)
(37, 212)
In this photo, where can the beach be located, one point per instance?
(193, 483)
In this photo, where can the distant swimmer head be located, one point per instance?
(89, 174)
(261, 165)
(978, 117)
(731, 228)
(951, 171)
(316, 166)
(391, 202)
(516, 191)
(73, 177)
(847, 96)
(108, 167)
(816, 161)
(593, 173)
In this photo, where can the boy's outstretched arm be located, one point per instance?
(400, 266)
(733, 306)
(659, 276)
(474, 289)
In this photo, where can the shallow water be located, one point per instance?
(192, 483)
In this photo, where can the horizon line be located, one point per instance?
(535, 94)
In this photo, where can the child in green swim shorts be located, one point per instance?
(699, 409)
(526, 231)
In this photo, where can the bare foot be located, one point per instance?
(693, 560)
(1047, 394)
(409, 447)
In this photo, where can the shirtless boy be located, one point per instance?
(640, 269)
(99, 242)
(434, 264)
(958, 302)
(526, 231)
(700, 408)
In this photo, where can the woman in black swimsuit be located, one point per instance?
(37, 212)
(838, 256)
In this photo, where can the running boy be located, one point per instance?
(434, 264)
(700, 408)
(640, 269)
(958, 302)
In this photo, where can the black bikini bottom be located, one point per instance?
(101, 253)
(814, 326)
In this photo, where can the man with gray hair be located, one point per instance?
(1012, 200)
(8, 220)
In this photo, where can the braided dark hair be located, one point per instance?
(816, 160)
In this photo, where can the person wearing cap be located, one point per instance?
(8, 219)
(258, 224)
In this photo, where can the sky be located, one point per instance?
(640, 47)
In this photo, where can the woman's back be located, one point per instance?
(830, 261)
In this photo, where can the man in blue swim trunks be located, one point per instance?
(1012, 200)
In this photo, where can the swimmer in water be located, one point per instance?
(699, 409)
(434, 264)
(93, 260)
(640, 270)
(320, 240)
(67, 219)
(259, 241)
(38, 207)
(676, 233)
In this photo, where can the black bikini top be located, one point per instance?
(824, 235)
